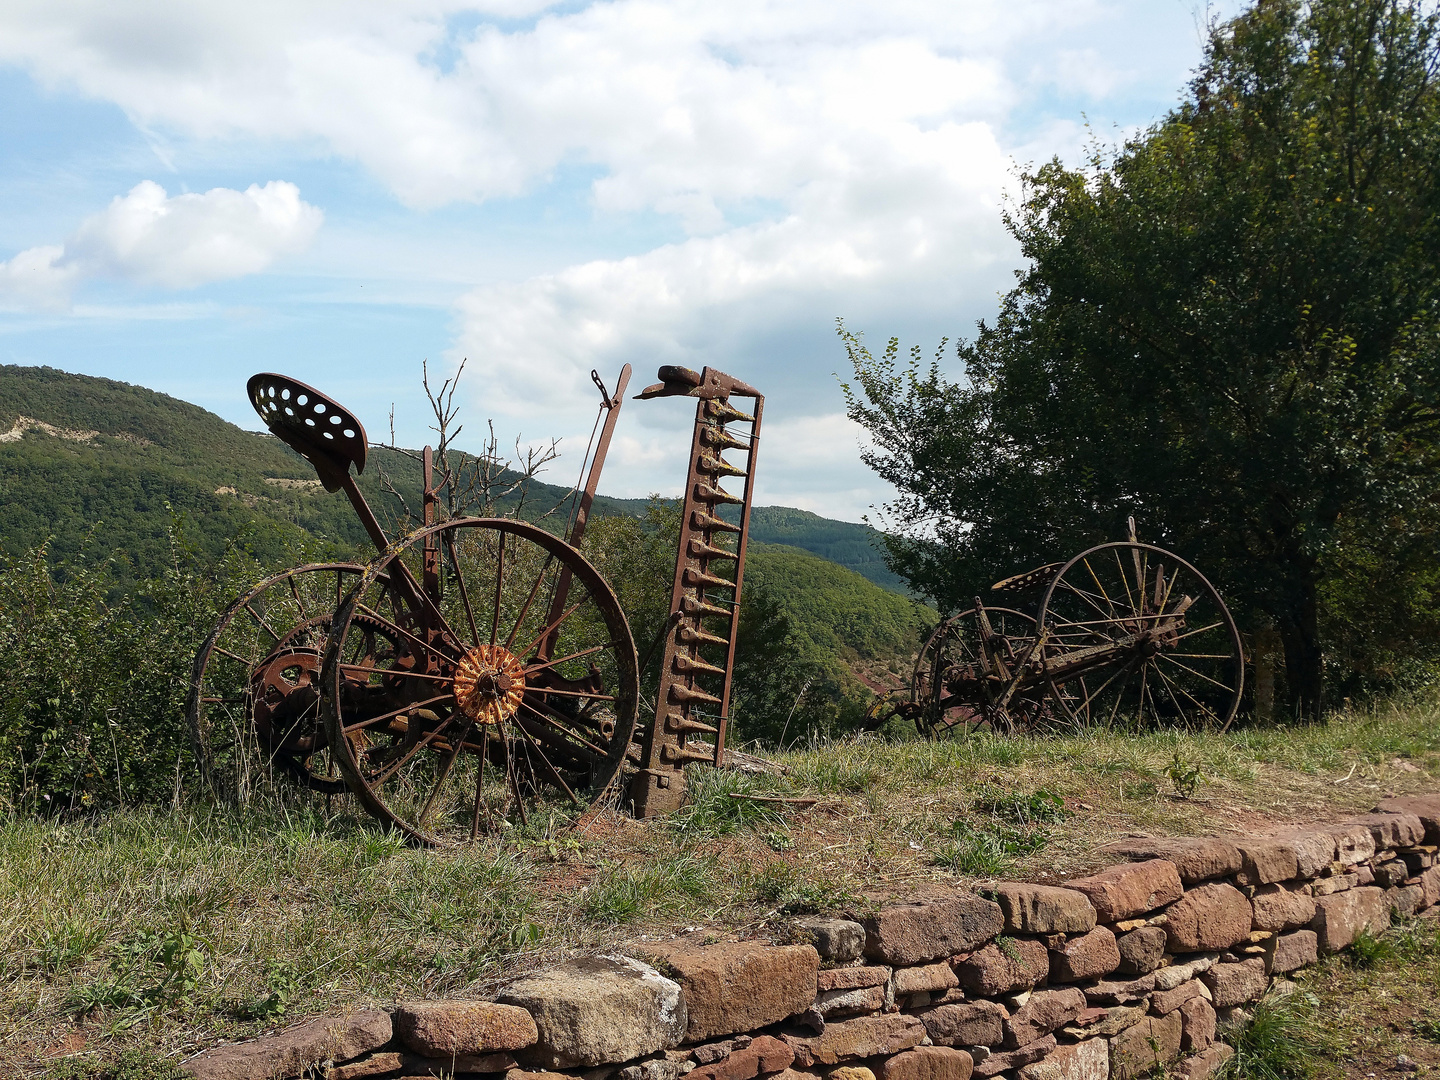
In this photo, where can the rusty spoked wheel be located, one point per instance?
(1137, 638)
(253, 706)
(462, 696)
(964, 670)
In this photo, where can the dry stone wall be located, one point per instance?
(1148, 962)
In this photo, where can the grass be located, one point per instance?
(160, 931)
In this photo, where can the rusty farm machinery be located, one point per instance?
(1124, 634)
(479, 673)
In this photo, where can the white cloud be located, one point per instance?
(175, 242)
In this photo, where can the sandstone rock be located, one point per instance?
(662, 1067)
(1340, 918)
(1043, 909)
(863, 1037)
(1293, 951)
(1117, 1019)
(1353, 843)
(1274, 907)
(1088, 956)
(1266, 860)
(851, 1072)
(1043, 1013)
(1088, 1060)
(1390, 831)
(833, 1004)
(927, 1063)
(1140, 1050)
(1314, 850)
(709, 1053)
(1163, 1002)
(1235, 984)
(1168, 978)
(1425, 807)
(1140, 950)
(1130, 889)
(915, 980)
(929, 929)
(521, 1074)
(1207, 917)
(441, 1029)
(1197, 859)
(1405, 899)
(461, 1063)
(1334, 884)
(1197, 1025)
(979, 1023)
(374, 1065)
(795, 1074)
(740, 985)
(1206, 1063)
(1430, 882)
(764, 1055)
(851, 978)
(1014, 1059)
(994, 971)
(292, 1052)
(835, 939)
(598, 1010)
(1391, 873)
(1120, 993)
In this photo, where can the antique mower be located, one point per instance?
(1124, 634)
(478, 673)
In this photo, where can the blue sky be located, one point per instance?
(339, 190)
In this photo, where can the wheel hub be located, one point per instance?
(489, 684)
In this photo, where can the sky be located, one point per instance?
(343, 190)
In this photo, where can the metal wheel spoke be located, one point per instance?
(1171, 686)
(1197, 674)
(525, 610)
(547, 718)
(1192, 633)
(499, 580)
(554, 772)
(263, 624)
(449, 539)
(411, 707)
(393, 627)
(556, 624)
(573, 656)
(295, 592)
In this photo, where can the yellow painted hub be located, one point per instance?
(489, 684)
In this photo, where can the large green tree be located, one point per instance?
(1230, 328)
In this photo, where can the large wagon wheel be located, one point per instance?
(960, 681)
(469, 705)
(254, 700)
(1136, 636)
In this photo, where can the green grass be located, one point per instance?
(172, 928)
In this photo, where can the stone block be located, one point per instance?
(1206, 918)
(1130, 889)
(1044, 1012)
(1196, 859)
(1141, 1050)
(851, 978)
(835, 939)
(1206, 1063)
(1167, 978)
(931, 929)
(1425, 807)
(1088, 1060)
(851, 1072)
(764, 1054)
(929, 977)
(1314, 850)
(1088, 956)
(1116, 1019)
(832, 1004)
(1430, 883)
(1163, 1002)
(927, 1063)
(977, 1023)
(1119, 993)
(1326, 886)
(1235, 984)
(1140, 950)
(1353, 843)
(1406, 900)
(994, 970)
(1391, 873)
(1274, 907)
(1266, 860)
(1043, 909)
(441, 1029)
(293, 1052)
(1197, 1025)
(740, 985)
(1015, 1059)
(1294, 951)
(1341, 917)
(1393, 830)
(863, 1037)
(598, 1010)
(374, 1065)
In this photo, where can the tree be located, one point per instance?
(1228, 327)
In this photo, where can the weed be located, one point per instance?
(67, 945)
(127, 1065)
(1185, 776)
(1428, 1028)
(1370, 950)
(1277, 1043)
(792, 891)
(986, 850)
(282, 980)
(778, 841)
(714, 810)
(624, 893)
(1016, 808)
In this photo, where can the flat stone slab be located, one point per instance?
(1294, 951)
(740, 985)
(1088, 1060)
(292, 1052)
(852, 978)
(993, 970)
(863, 1037)
(1354, 844)
(1314, 849)
(452, 1028)
(1341, 917)
(600, 1010)
(1130, 889)
(1208, 917)
(1392, 830)
(927, 1063)
(977, 1023)
(925, 978)
(1196, 858)
(1266, 860)
(1425, 807)
(1014, 1059)
(1046, 1011)
(931, 929)
(1236, 984)
(1043, 909)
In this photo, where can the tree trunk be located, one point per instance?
(1299, 628)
